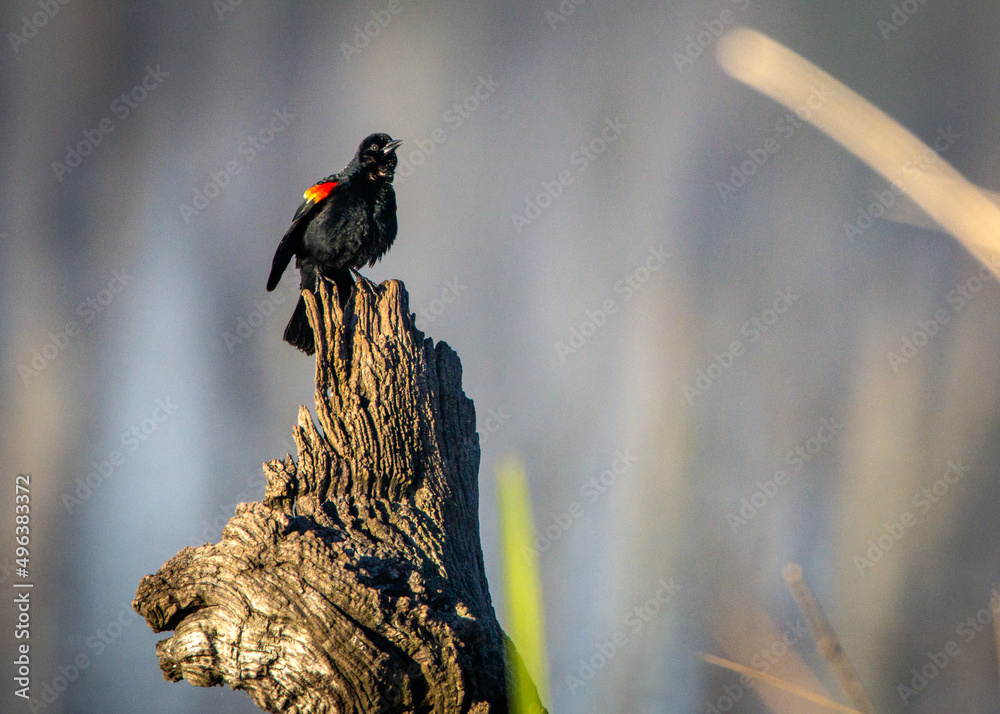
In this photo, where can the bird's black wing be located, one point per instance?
(291, 242)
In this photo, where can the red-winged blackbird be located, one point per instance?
(346, 220)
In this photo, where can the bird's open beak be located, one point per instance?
(391, 146)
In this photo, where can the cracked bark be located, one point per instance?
(358, 584)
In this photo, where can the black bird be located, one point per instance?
(346, 220)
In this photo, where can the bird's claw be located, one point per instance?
(372, 287)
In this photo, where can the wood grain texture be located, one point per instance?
(358, 584)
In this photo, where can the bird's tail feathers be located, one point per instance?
(298, 332)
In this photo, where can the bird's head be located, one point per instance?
(377, 156)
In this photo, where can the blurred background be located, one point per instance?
(681, 304)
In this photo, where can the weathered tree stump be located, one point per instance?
(358, 584)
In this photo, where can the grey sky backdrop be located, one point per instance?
(563, 227)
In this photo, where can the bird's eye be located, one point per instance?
(374, 147)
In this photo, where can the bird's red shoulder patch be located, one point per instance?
(320, 191)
